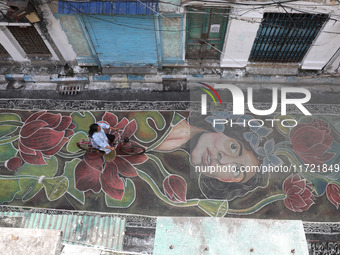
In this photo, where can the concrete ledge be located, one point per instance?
(40, 86)
(182, 235)
(3, 78)
(153, 78)
(11, 222)
(135, 85)
(122, 85)
(79, 250)
(14, 77)
(118, 78)
(77, 79)
(130, 70)
(335, 88)
(162, 82)
(101, 78)
(15, 241)
(100, 85)
(152, 86)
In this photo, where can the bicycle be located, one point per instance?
(121, 144)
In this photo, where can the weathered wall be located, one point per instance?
(172, 38)
(76, 37)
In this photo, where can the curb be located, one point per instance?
(179, 82)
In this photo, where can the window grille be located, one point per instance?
(286, 37)
(205, 32)
(30, 40)
(3, 51)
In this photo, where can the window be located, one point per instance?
(285, 37)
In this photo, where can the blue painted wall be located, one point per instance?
(119, 7)
(123, 40)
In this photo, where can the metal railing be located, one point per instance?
(285, 37)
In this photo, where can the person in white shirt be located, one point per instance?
(100, 140)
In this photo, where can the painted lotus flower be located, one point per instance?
(298, 193)
(333, 194)
(311, 141)
(42, 135)
(13, 163)
(175, 188)
(93, 173)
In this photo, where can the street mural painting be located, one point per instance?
(41, 165)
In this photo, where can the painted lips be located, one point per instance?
(207, 158)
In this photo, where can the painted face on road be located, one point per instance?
(215, 149)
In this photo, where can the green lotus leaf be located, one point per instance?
(48, 170)
(145, 132)
(215, 208)
(176, 118)
(72, 144)
(128, 197)
(7, 151)
(8, 189)
(8, 129)
(69, 174)
(83, 121)
(55, 187)
(30, 187)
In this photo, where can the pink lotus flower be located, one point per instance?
(311, 141)
(333, 194)
(298, 193)
(43, 134)
(175, 188)
(93, 173)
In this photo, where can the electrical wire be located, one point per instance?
(230, 3)
(200, 39)
(255, 6)
(247, 4)
(229, 16)
(314, 12)
(116, 23)
(250, 9)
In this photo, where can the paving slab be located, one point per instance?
(16, 241)
(181, 235)
(79, 250)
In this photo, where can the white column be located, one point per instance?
(239, 39)
(334, 65)
(324, 47)
(58, 35)
(11, 45)
(48, 45)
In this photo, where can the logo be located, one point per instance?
(204, 97)
(288, 96)
(239, 103)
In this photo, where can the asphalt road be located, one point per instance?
(265, 95)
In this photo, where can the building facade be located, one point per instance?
(132, 36)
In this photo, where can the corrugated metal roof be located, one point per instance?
(119, 7)
(100, 231)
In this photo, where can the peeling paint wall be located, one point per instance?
(172, 36)
(77, 39)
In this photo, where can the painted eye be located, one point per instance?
(233, 147)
